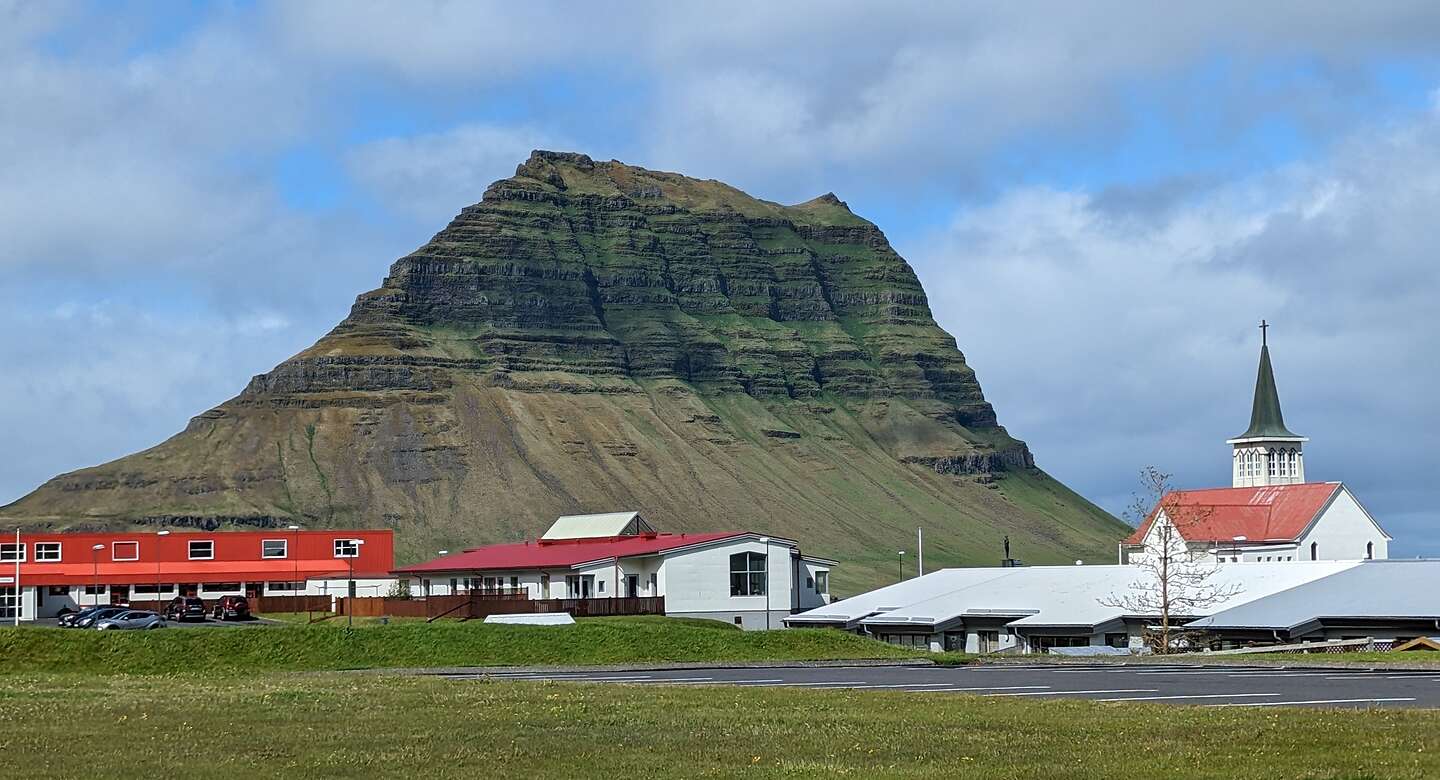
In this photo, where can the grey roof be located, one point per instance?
(1035, 596)
(1266, 421)
(1373, 589)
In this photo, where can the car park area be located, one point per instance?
(1210, 686)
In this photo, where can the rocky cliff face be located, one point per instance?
(596, 336)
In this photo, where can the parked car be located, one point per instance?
(97, 615)
(67, 619)
(183, 608)
(131, 619)
(232, 608)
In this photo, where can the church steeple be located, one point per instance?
(1267, 453)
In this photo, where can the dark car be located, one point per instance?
(232, 608)
(67, 619)
(183, 608)
(94, 616)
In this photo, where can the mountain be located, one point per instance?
(595, 336)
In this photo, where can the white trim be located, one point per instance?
(116, 559)
(59, 552)
(12, 545)
(190, 550)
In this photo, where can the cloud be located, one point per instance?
(431, 177)
(1113, 335)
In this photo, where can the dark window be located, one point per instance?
(1369, 550)
(202, 550)
(11, 552)
(1117, 640)
(347, 548)
(59, 590)
(274, 548)
(747, 574)
(1314, 551)
(94, 590)
(738, 621)
(47, 551)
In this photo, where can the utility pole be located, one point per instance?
(919, 552)
(902, 566)
(19, 594)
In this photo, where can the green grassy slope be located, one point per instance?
(299, 648)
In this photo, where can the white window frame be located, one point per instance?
(9, 552)
(350, 544)
(45, 546)
(284, 548)
(190, 550)
(115, 545)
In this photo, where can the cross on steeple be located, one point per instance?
(1263, 327)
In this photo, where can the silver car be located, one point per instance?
(137, 618)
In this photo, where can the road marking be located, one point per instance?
(890, 685)
(784, 684)
(706, 681)
(579, 677)
(984, 688)
(1312, 701)
(1190, 696)
(1066, 693)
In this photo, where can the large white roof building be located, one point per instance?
(1031, 609)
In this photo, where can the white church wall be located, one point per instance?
(1342, 533)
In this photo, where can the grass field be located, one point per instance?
(339, 725)
(330, 647)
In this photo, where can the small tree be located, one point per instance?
(1173, 582)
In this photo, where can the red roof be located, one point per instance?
(563, 553)
(1278, 513)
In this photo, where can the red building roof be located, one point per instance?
(564, 553)
(1278, 513)
(236, 557)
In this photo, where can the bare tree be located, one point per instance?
(1173, 582)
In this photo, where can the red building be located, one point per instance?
(62, 571)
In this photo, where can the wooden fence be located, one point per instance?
(481, 605)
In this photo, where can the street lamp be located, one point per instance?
(95, 562)
(295, 556)
(158, 536)
(902, 564)
(765, 540)
(350, 591)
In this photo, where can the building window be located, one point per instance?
(283, 587)
(94, 590)
(274, 548)
(600, 587)
(48, 552)
(151, 590)
(1314, 551)
(1117, 640)
(9, 602)
(1369, 550)
(810, 583)
(125, 551)
(347, 548)
(1272, 462)
(11, 552)
(59, 590)
(202, 550)
(219, 587)
(739, 621)
(514, 582)
(747, 574)
(822, 582)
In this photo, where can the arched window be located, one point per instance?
(1294, 463)
(1369, 550)
(1314, 551)
(1271, 461)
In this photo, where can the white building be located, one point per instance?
(1270, 513)
(744, 578)
(1034, 609)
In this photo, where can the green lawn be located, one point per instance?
(338, 725)
(328, 646)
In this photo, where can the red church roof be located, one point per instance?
(563, 553)
(1278, 513)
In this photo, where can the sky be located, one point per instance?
(1102, 199)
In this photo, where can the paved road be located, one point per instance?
(1210, 686)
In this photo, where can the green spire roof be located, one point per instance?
(1266, 421)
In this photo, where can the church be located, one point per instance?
(1269, 513)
